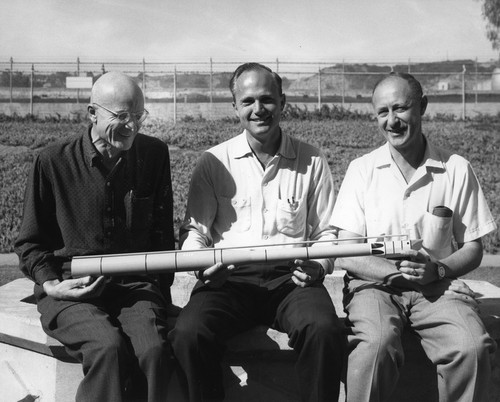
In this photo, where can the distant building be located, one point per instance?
(483, 85)
(443, 86)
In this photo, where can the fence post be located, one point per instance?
(277, 66)
(319, 88)
(11, 71)
(463, 91)
(78, 74)
(211, 88)
(409, 65)
(343, 83)
(31, 88)
(144, 77)
(475, 83)
(175, 94)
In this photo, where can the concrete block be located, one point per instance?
(258, 363)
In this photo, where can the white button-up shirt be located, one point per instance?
(375, 200)
(233, 201)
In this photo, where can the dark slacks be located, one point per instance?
(122, 332)
(307, 315)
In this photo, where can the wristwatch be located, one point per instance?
(440, 269)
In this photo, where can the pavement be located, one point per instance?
(489, 260)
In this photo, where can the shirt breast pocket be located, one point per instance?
(234, 214)
(291, 218)
(437, 235)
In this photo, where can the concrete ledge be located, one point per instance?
(258, 363)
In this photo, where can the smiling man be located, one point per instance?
(105, 190)
(410, 187)
(261, 187)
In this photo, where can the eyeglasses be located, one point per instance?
(125, 117)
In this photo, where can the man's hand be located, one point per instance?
(419, 269)
(83, 288)
(458, 286)
(216, 275)
(451, 287)
(305, 273)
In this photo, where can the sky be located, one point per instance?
(237, 30)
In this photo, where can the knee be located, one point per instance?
(327, 328)
(189, 332)
(110, 348)
(324, 332)
(157, 351)
(474, 350)
(376, 344)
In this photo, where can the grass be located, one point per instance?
(342, 136)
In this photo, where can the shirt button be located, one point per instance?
(108, 184)
(266, 210)
(108, 209)
(266, 237)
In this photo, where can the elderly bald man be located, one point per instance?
(105, 190)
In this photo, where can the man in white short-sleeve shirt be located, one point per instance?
(261, 187)
(410, 187)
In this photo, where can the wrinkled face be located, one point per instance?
(398, 112)
(258, 104)
(107, 127)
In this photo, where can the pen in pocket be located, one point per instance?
(442, 211)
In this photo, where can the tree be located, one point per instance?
(491, 13)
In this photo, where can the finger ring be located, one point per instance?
(414, 272)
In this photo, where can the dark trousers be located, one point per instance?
(122, 332)
(307, 315)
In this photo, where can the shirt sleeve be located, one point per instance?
(39, 234)
(320, 207)
(472, 217)
(349, 212)
(195, 232)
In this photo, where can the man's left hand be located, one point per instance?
(305, 273)
(420, 269)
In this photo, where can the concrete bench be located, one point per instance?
(258, 363)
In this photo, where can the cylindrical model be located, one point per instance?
(193, 260)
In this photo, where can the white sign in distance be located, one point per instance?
(78, 82)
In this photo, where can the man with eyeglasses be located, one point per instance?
(107, 190)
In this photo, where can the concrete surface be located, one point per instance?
(258, 364)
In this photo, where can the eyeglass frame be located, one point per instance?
(130, 115)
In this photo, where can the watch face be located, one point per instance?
(441, 272)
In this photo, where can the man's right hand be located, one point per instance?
(83, 288)
(216, 275)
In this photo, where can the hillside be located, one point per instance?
(360, 78)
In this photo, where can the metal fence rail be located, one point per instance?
(197, 88)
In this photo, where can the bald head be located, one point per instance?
(112, 95)
(116, 88)
(413, 84)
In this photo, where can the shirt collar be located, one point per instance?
(431, 157)
(241, 148)
(91, 153)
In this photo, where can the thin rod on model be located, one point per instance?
(193, 260)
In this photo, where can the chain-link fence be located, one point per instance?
(174, 90)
